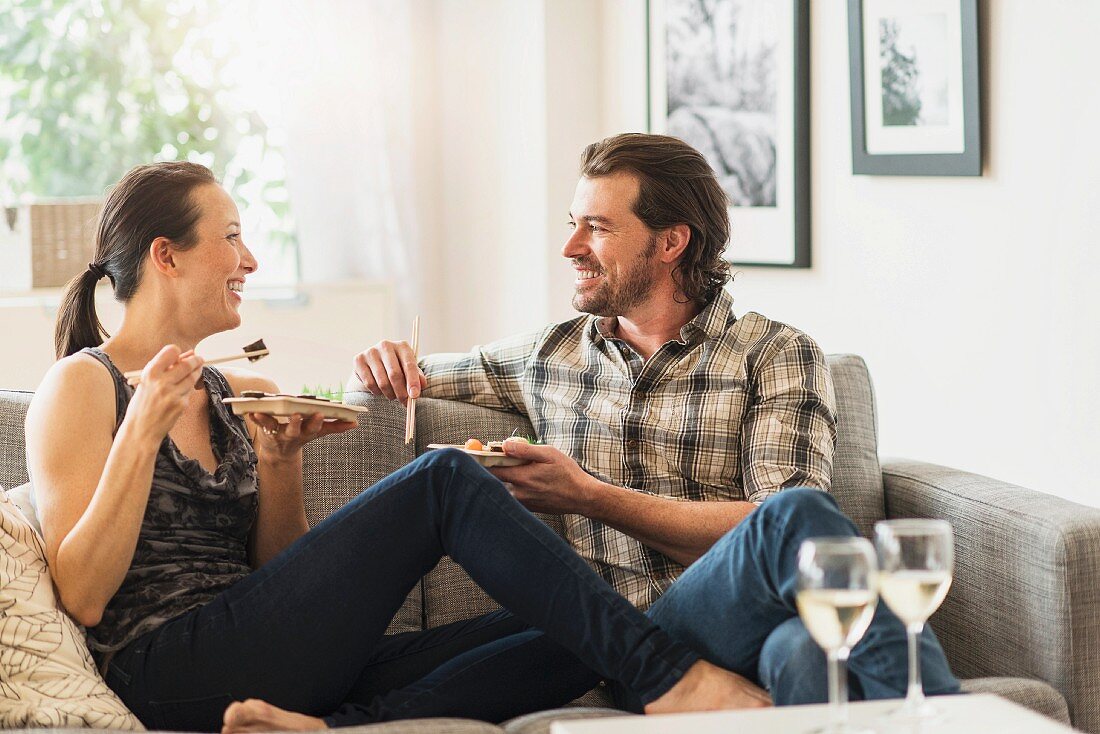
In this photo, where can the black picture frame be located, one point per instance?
(929, 162)
(790, 245)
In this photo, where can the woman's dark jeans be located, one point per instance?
(305, 632)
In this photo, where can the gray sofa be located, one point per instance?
(1022, 619)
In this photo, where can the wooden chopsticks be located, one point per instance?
(252, 352)
(410, 406)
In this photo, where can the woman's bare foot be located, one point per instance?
(706, 687)
(256, 715)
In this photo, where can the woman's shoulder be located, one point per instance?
(80, 371)
(241, 379)
(75, 385)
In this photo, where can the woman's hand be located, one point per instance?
(279, 440)
(282, 514)
(167, 383)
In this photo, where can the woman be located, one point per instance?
(176, 531)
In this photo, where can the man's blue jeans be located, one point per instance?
(736, 607)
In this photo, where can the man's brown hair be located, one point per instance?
(676, 186)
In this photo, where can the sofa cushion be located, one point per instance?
(1033, 694)
(540, 721)
(423, 726)
(449, 594)
(47, 677)
(445, 421)
(23, 498)
(340, 466)
(857, 477)
(13, 461)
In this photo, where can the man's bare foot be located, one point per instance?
(706, 687)
(256, 715)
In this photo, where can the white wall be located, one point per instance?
(971, 298)
(487, 264)
(312, 340)
(519, 91)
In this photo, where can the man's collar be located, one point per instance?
(710, 323)
(603, 327)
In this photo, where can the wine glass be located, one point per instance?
(837, 582)
(916, 558)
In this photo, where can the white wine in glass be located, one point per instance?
(916, 559)
(836, 618)
(836, 601)
(914, 595)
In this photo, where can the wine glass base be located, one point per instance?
(841, 728)
(914, 714)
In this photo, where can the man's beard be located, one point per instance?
(617, 299)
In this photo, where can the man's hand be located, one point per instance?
(552, 482)
(390, 369)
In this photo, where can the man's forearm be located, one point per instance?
(682, 530)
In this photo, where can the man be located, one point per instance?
(676, 433)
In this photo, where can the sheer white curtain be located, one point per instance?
(345, 83)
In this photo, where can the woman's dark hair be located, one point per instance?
(149, 202)
(676, 186)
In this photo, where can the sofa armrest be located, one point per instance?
(1026, 596)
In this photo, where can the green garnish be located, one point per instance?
(336, 395)
(529, 439)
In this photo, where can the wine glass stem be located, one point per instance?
(914, 697)
(838, 687)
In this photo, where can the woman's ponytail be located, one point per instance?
(149, 202)
(78, 325)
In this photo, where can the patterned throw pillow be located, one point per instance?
(47, 677)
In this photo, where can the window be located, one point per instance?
(90, 88)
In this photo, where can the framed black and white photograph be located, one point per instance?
(731, 78)
(915, 87)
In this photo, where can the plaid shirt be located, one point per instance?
(736, 409)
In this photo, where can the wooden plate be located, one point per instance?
(284, 407)
(485, 458)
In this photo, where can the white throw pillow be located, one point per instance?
(47, 676)
(23, 498)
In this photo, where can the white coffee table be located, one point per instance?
(961, 715)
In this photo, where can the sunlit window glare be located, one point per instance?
(90, 88)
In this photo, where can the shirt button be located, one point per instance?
(632, 443)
